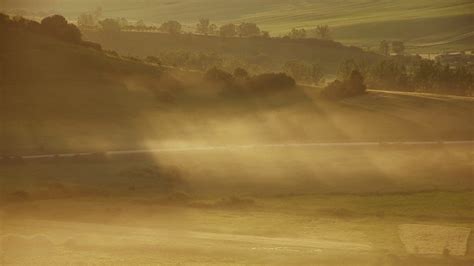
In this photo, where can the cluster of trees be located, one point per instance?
(417, 74)
(413, 73)
(397, 47)
(187, 59)
(304, 72)
(55, 26)
(241, 81)
(322, 32)
(243, 30)
(92, 20)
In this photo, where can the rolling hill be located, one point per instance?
(268, 53)
(372, 20)
(60, 97)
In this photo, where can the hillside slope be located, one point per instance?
(60, 97)
(270, 53)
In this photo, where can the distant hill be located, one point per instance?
(415, 32)
(272, 53)
(372, 20)
(59, 96)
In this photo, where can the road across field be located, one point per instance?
(248, 147)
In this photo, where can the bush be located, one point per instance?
(351, 87)
(219, 76)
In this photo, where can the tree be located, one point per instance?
(58, 26)
(389, 74)
(213, 30)
(110, 25)
(297, 34)
(248, 30)
(398, 47)
(356, 84)
(241, 73)
(203, 26)
(123, 22)
(323, 32)
(171, 27)
(384, 48)
(352, 86)
(228, 30)
(303, 71)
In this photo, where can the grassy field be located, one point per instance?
(234, 207)
(362, 22)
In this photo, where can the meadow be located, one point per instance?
(277, 206)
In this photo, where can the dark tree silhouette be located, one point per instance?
(398, 47)
(110, 25)
(323, 32)
(58, 26)
(171, 27)
(248, 30)
(384, 48)
(297, 34)
(241, 73)
(203, 26)
(228, 30)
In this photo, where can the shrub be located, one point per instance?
(219, 76)
(241, 73)
(353, 86)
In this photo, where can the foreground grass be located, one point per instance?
(93, 229)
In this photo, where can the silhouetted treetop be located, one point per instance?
(58, 26)
(171, 27)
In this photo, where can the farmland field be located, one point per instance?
(295, 206)
(362, 22)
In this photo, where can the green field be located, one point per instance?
(362, 22)
(294, 206)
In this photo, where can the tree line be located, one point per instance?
(407, 73)
(92, 20)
